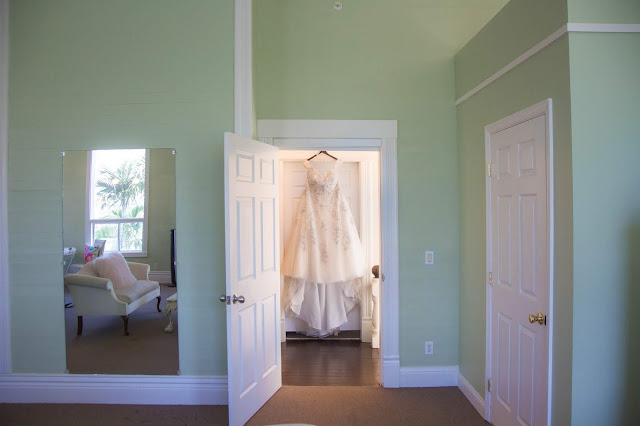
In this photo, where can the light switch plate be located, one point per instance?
(428, 257)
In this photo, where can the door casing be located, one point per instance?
(544, 108)
(360, 135)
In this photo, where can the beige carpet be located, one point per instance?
(368, 405)
(339, 405)
(103, 348)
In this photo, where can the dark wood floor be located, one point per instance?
(330, 363)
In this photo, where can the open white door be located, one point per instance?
(253, 275)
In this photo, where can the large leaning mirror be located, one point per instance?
(120, 289)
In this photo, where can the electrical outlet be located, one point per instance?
(428, 348)
(428, 258)
(155, 266)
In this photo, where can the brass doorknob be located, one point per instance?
(540, 319)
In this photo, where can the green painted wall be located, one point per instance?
(604, 12)
(74, 201)
(162, 209)
(605, 106)
(89, 74)
(545, 75)
(162, 206)
(525, 22)
(385, 60)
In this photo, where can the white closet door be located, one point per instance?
(520, 346)
(294, 179)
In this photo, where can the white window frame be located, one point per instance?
(89, 222)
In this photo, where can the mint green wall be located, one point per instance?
(162, 209)
(384, 60)
(162, 205)
(604, 12)
(525, 22)
(605, 106)
(89, 74)
(545, 75)
(74, 201)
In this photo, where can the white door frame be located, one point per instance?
(544, 108)
(364, 135)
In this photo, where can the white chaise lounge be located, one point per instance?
(93, 295)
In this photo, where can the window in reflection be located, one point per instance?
(119, 199)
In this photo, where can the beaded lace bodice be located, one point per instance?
(323, 230)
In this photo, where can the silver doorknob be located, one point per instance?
(224, 298)
(237, 299)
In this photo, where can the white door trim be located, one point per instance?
(5, 315)
(542, 108)
(242, 70)
(348, 135)
(571, 27)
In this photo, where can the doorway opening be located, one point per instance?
(349, 356)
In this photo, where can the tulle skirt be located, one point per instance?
(323, 307)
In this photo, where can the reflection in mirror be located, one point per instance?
(118, 231)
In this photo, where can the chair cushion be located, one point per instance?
(114, 267)
(135, 292)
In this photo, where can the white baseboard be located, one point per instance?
(113, 389)
(472, 395)
(391, 371)
(428, 377)
(160, 276)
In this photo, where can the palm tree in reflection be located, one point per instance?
(121, 190)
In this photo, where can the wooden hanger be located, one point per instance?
(321, 152)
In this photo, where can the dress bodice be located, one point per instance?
(321, 184)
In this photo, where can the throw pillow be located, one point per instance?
(114, 267)
(90, 253)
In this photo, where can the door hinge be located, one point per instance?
(489, 385)
(489, 169)
(490, 278)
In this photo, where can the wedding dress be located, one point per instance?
(323, 259)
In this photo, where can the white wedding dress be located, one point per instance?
(323, 259)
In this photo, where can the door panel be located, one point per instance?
(519, 260)
(253, 271)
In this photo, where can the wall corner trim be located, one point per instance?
(242, 69)
(5, 303)
(113, 389)
(428, 377)
(567, 28)
(472, 395)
